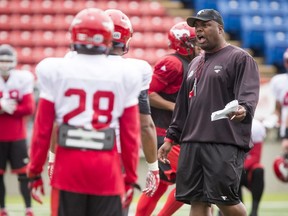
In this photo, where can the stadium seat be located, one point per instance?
(21, 22)
(5, 22)
(275, 7)
(43, 22)
(253, 29)
(61, 38)
(5, 37)
(20, 7)
(44, 38)
(24, 55)
(43, 7)
(21, 38)
(4, 7)
(153, 8)
(201, 4)
(275, 45)
(39, 53)
(63, 22)
(231, 11)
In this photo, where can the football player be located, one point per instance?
(253, 174)
(89, 97)
(122, 35)
(279, 89)
(168, 74)
(16, 104)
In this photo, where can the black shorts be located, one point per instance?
(75, 204)
(209, 172)
(16, 153)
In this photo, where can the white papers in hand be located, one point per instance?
(221, 114)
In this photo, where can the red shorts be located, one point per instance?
(168, 171)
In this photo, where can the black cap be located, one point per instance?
(205, 15)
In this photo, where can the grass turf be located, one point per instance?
(271, 205)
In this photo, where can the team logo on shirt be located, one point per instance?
(163, 68)
(217, 68)
(224, 197)
(190, 73)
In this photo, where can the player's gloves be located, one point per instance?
(36, 187)
(51, 164)
(8, 105)
(128, 196)
(152, 179)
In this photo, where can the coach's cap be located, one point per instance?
(205, 15)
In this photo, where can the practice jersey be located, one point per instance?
(19, 87)
(258, 135)
(279, 88)
(145, 70)
(230, 72)
(89, 91)
(166, 81)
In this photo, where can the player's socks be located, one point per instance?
(257, 188)
(24, 189)
(171, 205)
(146, 205)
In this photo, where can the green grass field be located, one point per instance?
(271, 205)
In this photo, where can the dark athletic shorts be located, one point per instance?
(75, 204)
(209, 172)
(16, 153)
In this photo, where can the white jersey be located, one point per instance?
(138, 66)
(88, 90)
(19, 84)
(258, 131)
(279, 88)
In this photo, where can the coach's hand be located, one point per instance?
(163, 152)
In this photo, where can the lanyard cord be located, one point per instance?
(198, 73)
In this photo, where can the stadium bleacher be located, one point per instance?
(253, 23)
(44, 23)
(38, 28)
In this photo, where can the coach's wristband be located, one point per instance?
(168, 140)
(153, 166)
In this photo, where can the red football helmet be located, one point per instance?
(92, 27)
(182, 38)
(280, 166)
(122, 29)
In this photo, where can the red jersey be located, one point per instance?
(166, 81)
(19, 87)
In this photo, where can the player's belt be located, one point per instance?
(75, 137)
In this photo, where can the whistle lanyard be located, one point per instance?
(198, 73)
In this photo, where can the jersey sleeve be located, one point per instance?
(258, 131)
(133, 85)
(28, 80)
(165, 72)
(45, 78)
(147, 75)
